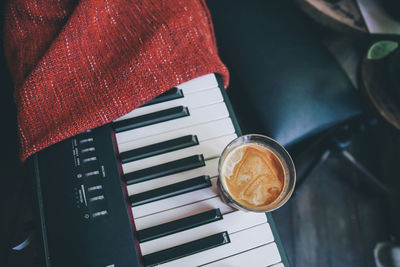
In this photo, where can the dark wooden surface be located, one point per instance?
(336, 217)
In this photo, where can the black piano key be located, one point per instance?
(159, 148)
(186, 249)
(179, 225)
(151, 118)
(169, 95)
(170, 190)
(168, 168)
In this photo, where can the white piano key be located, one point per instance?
(177, 201)
(231, 222)
(210, 169)
(257, 257)
(199, 83)
(203, 131)
(277, 265)
(240, 241)
(209, 149)
(197, 116)
(192, 101)
(181, 212)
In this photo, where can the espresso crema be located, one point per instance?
(253, 176)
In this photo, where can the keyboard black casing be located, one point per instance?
(70, 236)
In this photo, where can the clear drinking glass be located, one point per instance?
(279, 151)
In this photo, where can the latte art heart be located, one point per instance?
(257, 179)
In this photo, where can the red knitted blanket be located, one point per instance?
(77, 65)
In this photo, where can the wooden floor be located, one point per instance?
(335, 218)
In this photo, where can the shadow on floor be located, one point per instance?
(336, 218)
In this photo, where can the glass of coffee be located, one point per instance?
(256, 174)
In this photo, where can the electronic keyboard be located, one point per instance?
(142, 191)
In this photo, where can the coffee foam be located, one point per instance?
(253, 175)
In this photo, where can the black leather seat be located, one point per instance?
(284, 82)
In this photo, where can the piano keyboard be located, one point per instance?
(168, 151)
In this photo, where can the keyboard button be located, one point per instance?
(204, 131)
(181, 212)
(183, 250)
(164, 169)
(88, 150)
(197, 116)
(179, 225)
(240, 241)
(159, 148)
(257, 257)
(170, 190)
(199, 83)
(210, 169)
(232, 222)
(209, 149)
(192, 101)
(99, 214)
(95, 188)
(88, 140)
(96, 198)
(151, 118)
(169, 95)
(176, 201)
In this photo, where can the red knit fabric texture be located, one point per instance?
(77, 65)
